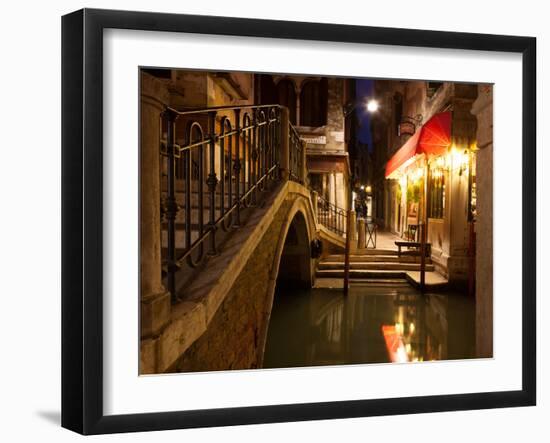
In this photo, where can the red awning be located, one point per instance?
(434, 138)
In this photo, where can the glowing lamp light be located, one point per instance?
(368, 188)
(459, 160)
(372, 105)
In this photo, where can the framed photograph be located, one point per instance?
(269, 221)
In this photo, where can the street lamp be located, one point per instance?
(372, 105)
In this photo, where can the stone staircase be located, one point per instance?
(377, 265)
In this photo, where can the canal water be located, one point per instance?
(373, 324)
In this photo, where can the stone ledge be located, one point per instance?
(154, 314)
(188, 324)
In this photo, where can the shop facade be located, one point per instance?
(430, 173)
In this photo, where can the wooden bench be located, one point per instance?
(411, 244)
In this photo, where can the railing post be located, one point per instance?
(171, 206)
(353, 229)
(361, 234)
(154, 298)
(285, 142)
(237, 167)
(303, 171)
(347, 222)
(422, 227)
(315, 204)
(255, 155)
(212, 182)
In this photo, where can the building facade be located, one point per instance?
(425, 162)
(316, 108)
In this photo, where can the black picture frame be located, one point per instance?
(82, 219)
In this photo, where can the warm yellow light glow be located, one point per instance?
(368, 189)
(372, 105)
(403, 182)
(417, 174)
(399, 328)
(458, 159)
(411, 328)
(436, 173)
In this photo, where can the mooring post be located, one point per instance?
(346, 254)
(422, 227)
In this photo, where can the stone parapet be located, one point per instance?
(155, 302)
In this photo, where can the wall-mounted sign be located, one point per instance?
(314, 139)
(406, 128)
(338, 136)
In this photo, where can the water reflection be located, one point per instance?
(371, 325)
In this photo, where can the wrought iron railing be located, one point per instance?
(331, 216)
(216, 162)
(295, 155)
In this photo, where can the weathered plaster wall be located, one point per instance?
(335, 115)
(483, 109)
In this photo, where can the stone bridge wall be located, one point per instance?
(232, 340)
(223, 324)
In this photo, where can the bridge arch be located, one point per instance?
(292, 263)
(295, 257)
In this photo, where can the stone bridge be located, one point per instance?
(223, 322)
(217, 315)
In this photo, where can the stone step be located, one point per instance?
(386, 266)
(360, 274)
(374, 258)
(364, 252)
(392, 282)
(383, 283)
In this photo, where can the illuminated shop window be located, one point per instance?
(437, 193)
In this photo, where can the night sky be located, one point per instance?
(364, 91)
